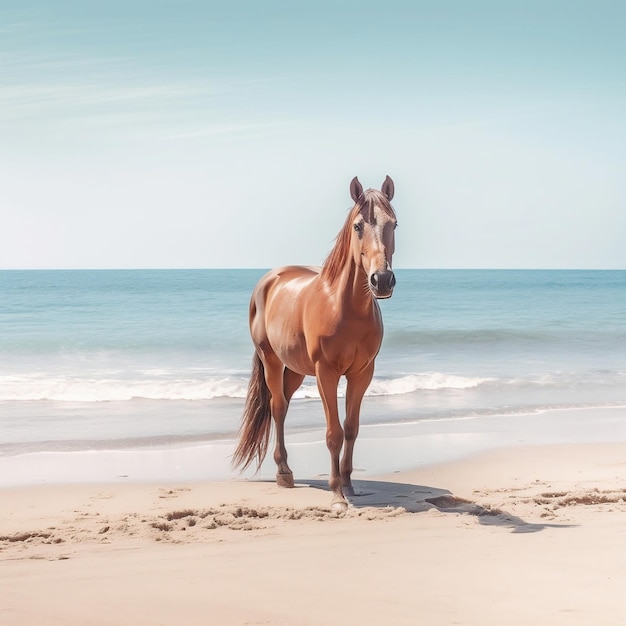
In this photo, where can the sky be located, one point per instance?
(150, 134)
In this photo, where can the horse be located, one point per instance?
(323, 322)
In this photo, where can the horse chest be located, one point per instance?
(349, 344)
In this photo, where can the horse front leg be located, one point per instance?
(356, 388)
(327, 381)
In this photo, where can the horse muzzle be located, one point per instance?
(382, 284)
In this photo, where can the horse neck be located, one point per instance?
(351, 286)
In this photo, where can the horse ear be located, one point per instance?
(388, 188)
(356, 189)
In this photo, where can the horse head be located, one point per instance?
(373, 235)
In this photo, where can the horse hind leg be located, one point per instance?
(283, 383)
(284, 475)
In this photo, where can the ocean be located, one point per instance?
(113, 360)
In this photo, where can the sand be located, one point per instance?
(517, 535)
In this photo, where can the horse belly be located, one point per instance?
(294, 354)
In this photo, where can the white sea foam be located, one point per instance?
(74, 388)
(430, 381)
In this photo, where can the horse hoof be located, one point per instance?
(285, 480)
(339, 506)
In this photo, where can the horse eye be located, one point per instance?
(358, 228)
(395, 225)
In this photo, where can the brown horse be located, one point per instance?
(325, 323)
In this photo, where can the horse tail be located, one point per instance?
(254, 433)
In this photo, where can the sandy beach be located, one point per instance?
(517, 535)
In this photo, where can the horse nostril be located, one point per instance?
(383, 283)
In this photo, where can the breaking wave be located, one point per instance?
(78, 389)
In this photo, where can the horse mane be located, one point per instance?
(367, 201)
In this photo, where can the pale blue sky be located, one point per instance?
(225, 134)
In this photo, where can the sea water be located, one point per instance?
(102, 360)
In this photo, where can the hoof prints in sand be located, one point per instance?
(178, 526)
(197, 525)
(560, 499)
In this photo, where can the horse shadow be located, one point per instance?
(421, 498)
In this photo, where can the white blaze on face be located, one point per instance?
(380, 242)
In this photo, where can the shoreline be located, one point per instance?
(380, 449)
(463, 541)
